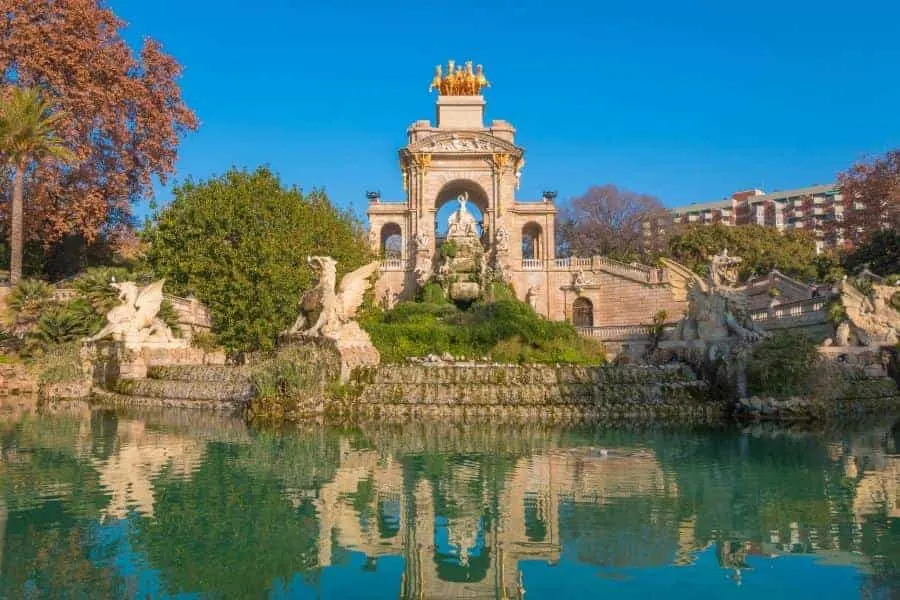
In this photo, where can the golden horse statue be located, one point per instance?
(460, 80)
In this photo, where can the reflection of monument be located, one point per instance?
(127, 475)
(453, 543)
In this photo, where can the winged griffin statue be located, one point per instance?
(325, 312)
(135, 318)
(716, 310)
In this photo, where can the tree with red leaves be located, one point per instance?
(123, 116)
(871, 193)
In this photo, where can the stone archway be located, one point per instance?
(391, 241)
(532, 241)
(445, 203)
(582, 312)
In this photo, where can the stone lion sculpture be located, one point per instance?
(871, 319)
(135, 319)
(716, 310)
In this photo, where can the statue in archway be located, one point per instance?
(461, 223)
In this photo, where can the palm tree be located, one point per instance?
(27, 133)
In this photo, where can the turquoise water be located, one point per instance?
(180, 505)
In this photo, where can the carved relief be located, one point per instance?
(477, 143)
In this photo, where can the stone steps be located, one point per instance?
(502, 375)
(648, 394)
(116, 400)
(197, 373)
(195, 390)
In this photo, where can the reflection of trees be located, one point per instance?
(54, 499)
(228, 531)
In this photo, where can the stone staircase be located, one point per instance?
(211, 387)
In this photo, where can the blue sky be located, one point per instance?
(685, 100)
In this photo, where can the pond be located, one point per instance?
(102, 504)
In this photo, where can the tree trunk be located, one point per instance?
(16, 237)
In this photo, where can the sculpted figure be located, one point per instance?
(716, 310)
(531, 297)
(438, 78)
(580, 279)
(461, 222)
(422, 240)
(135, 319)
(323, 311)
(502, 239)
(871, 320)
(481, 80)
(423, 270)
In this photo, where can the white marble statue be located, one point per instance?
(323, 310)
(461, 223)
(716, 309)
(135, 319)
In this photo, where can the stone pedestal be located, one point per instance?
(460, 112)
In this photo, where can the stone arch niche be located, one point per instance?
(533, 241)
(582, 312)
(446, 202)
(391, 241)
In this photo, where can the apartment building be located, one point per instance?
(809, 208)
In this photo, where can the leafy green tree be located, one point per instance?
(762, 248)
(239, 243)
(27, 133)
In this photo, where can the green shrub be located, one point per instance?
(94, 285)
(433, 293)
(29, 298)
(62, 363)
(205, 340)
(169, 316)
(505, 330)
(61, 324)
(782, 365)
(239, 243)
(449, 249)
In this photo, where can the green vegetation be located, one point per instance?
(240, 242)
(782, 365)
(294, 376)
(881, 255)
(762, 249)
(62, 363)
(504, 330)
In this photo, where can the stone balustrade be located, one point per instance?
(634, 271)
(611, 333)
(810, 309)
(394, 264)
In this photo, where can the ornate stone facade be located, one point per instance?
(461, 156)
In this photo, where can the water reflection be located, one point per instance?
(105, 504)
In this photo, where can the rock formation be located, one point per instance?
(871, 319)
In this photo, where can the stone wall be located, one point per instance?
(533, 391)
